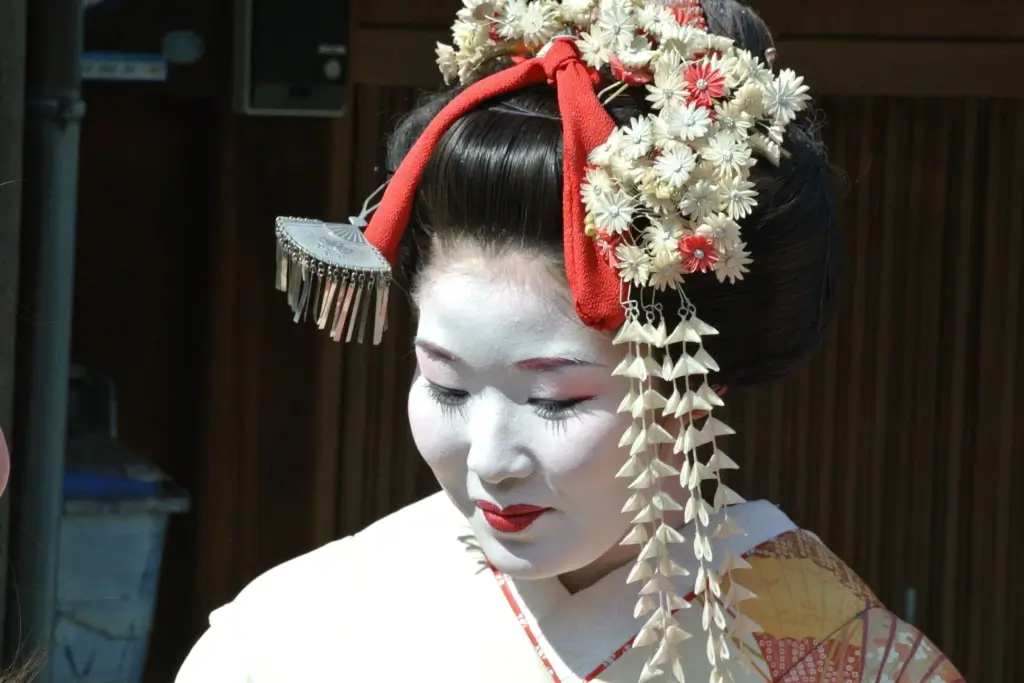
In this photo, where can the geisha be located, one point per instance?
(619, 215)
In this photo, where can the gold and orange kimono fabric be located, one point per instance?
(822, 624)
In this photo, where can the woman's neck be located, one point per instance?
(619, 555)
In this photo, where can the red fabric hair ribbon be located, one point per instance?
(595, 286)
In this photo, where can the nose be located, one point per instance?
(495, 454)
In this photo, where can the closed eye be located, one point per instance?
(445, 395)
(556, 410)
(550, 409)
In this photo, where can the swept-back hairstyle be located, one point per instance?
(495, 179)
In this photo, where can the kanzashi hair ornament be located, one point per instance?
(646, 206)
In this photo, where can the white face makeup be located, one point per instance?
(514, 405)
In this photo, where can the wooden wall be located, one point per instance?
(900, 443)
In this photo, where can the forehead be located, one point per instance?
(489, 311)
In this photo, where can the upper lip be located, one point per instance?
(509, 511)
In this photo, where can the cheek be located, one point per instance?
(433, 431)
(587, 454)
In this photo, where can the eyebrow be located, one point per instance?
(541, 364)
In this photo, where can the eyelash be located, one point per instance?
(452, 401)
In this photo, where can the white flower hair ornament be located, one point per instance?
(645, 206)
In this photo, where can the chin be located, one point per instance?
(531, 560)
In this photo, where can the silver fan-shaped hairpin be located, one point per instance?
(331, 269)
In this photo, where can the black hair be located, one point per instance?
(496, 178)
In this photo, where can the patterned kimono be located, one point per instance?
(412, 598)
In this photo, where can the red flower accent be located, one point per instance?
(607, 241)
(689, 13)
(704, 83)
(492, 32)
(630, 76)
(699, 253)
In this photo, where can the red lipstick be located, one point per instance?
(510, 520)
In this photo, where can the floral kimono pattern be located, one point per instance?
(822, 624)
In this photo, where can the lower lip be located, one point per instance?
(511, 524)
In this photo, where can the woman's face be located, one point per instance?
(513, 404)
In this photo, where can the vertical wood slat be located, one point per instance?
(952, 369)
(881, 444)
(1008, 553)
(904, 477)
(923, 425)
(999, 301)
(861, 253)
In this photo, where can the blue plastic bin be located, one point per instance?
(116, 509)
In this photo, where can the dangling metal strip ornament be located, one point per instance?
(330, 268)
(333, 269)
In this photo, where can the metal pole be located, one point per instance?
(53, 111)
(12, 116)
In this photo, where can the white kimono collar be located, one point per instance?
(579, 634)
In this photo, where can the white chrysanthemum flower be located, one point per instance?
(744, 59)
(640, 171)
(705, 171)
(786, 96)
(700, 200)
(668, 89)
(660, 199)
(614, 211)
(578, 12)
(664, 138)
(447, 63)
(666, 270)
(675, 166)
(733, 266)
(666, 64)
(637, 54)
(538, 23)
(753, 69)
(470, 35)
(623, 167)
(664, 24)
(532, 23)
(719, 43)
(749, 99)
(592, 190)
(688, 122)
(619, 22)
(511, 20)
(617, 16)
(603, 153)
(728, 153)
(468, 61)
(731, 118)
(740, 197)
(647, 18)
(684, 41)
(478, 9)
(638, 138)
(730, 67)
(664, 233)
(724, 230)
(634, 264)
(599, 181)
(594, 47)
